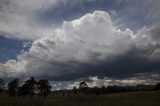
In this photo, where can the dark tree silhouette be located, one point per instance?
(157, 86)
(83, 87)
(23, 90)
(2, 85)
(43, 87)
(103, 90)
(13, 87)
(29, 87)
(74, 89)
(83, 84)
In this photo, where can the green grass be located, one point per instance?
(120, 99)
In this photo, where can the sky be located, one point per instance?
(102, 42)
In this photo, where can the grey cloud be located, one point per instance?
(105, 51)
(133, 14)
(155, 31)
(28, 16)
(3, 3)
(18, 19)
(136, 14)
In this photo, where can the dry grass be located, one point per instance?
(121, 99)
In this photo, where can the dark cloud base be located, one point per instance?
(122, 66)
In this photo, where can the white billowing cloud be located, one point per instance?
(11, 68)
(71, 85)
(133, 81)
(95, 81)
(89, 40)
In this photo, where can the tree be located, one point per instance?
(29, 87)
(43, 87)
(103, 89)
(83, 86)
(74, 89)
(2, 85)
(157, 86)
(23, 90)
(13, 87)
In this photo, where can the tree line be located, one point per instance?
(42, 88)
(83, 88)
(29, 87)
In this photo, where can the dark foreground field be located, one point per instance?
(121, 99)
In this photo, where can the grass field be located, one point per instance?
(120, 99)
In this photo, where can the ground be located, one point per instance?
(150, 98)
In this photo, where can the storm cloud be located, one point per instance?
(90, 45)
(33, 19)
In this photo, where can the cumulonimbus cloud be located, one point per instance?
(90, 45)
